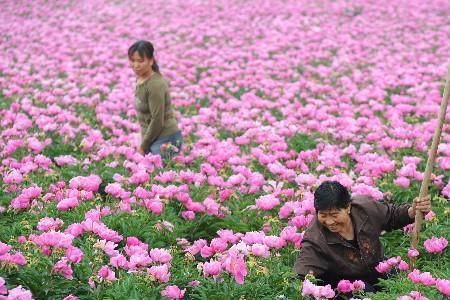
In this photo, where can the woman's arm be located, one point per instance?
(393, 216)
(310, 261)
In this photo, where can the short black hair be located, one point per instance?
(331, 195)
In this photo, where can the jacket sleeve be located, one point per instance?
(392, 216)
(156, 103)
(310, 260)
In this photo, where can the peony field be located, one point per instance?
(273, 97)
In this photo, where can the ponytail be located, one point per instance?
(155, 67)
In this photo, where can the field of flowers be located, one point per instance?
(273, 97)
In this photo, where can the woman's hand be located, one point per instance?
(421, 204)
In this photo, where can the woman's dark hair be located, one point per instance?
(145, 49)
(331, 195)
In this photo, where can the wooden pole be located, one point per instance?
(430, 163)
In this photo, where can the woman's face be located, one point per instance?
(141, 65)
(336, 220)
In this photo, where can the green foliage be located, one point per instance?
(301, 141)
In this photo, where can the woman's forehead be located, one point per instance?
(331, 210)
(137, 55)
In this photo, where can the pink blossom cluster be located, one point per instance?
(17, 293)
(425, 278)
(414, 295)
(251, 243)
(443, 285)
(316, 291)
(156, 262)
(97, 227)
(90, 183)
(387, 265)
(15, 259)
(12, 180)
(435, 244)
(66, 160)
(106, 273)
(25, 198)
(46, 224)
(52, 239)
(173, 292)
(346, 286)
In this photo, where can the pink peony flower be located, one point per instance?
(160, 273)
(427, 279)
(414, 276)
(3, 290)
(430, 216)
(443, 285)
(13, 177)
(4, 248)
(402, 182)
(234, 264)
(414, 295)
(358, 285)
(309, 289)
(413, 253)
(383, 267)
(435, 245)
(173, 292)
(206, 251)
(75, 229)
(344, 286)
(74, 254)
(139, 177)
(67, 203)
(19, 293)
(218, 245)
(403, 266)
(160, 255)
(90, 183)
(211, 268)
(155, 207)
(260, 250)
(194, 283)
(118, 261)
(327, 292)
(188, 215)
(46, 224)
(63, 268)
(106, 273)
(267, 202)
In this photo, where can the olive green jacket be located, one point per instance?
(154, 110)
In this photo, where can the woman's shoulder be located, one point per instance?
(363, 201)
(314, 233)
(369, 206)
(157, 81)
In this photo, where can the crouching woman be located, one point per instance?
(159, 127)
(343, 240)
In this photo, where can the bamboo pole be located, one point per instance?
(431, 158)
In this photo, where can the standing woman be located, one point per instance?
(159, 127)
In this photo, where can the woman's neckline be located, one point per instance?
(152, 75)
(350, 234)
